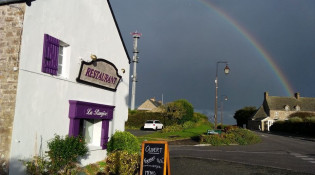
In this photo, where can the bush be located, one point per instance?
(37, 166)
(295, 119)
(302, 115)
(233, 136)
(244, 136)
(229, 128)
(310, 119)
(64, 152)
(189, 124)
(123, 162)
(295, 126)
(123, 141)
(199, 117)
(136, 119)
(180, 110)
(173, 128)
(214, 140)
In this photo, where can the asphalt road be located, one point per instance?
(274, 155)
(138, 132)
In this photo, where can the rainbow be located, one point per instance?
(260, 49)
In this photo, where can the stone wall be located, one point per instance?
(11, 25)
(283, 115)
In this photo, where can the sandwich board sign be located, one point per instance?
(155, 158)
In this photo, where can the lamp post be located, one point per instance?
(226, 71)
(221, 108)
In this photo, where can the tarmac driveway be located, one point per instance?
(138, 132)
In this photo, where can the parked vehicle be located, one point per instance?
(212, 132)
(153, 124)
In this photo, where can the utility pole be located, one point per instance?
(136, 36)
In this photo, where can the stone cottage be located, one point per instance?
(276, 108)
(64, 70)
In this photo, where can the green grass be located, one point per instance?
(184, 134)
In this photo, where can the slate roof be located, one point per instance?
(260, 114)
(278, 103)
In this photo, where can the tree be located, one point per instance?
(181, 110)
(243, 115)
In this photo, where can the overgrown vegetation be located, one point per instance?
(180, 110)
(232, 136)
(136, 119)
(64, 152)
(243, 115)
(123, 141)
(298, 123)
(124, 154)
(177, 112)
(123, 162)
(177, 134)
(197, 120)
(62, 157)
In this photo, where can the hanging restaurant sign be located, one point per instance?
(99, 73)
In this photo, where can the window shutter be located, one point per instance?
(50, 55)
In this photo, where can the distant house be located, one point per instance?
(279, 108)
(150, 105)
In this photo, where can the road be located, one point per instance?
(274, 155)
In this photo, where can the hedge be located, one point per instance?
(233, 136)
(136, 119)
(295, 127)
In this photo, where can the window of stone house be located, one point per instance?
(297, 108)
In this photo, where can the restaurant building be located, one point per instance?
(71, 77)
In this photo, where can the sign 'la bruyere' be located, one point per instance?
(100, 73)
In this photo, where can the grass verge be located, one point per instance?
(177, 135)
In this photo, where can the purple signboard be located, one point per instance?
(86, 110)
(80, 110)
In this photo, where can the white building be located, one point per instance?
(56, 92)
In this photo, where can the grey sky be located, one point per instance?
(183, 39)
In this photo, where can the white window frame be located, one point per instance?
(92, 128)
(65, 59)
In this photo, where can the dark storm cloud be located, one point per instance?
(183, 39)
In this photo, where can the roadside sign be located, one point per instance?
(155, 158)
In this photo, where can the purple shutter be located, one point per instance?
(50, 55)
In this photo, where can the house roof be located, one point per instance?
(306, 104)
(260, 114)
(149, 104)
(279, 103)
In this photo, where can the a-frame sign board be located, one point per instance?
(155, 158)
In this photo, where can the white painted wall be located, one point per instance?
(42, 104)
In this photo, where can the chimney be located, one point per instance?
(266, 95)
(297, 95)
(152, 99)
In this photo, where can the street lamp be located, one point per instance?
(226, 71)
(221, 108)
